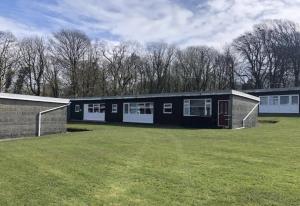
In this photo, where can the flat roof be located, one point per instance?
(272, 90)
(33, 98)
(182, 94)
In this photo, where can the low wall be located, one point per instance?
(20, 118)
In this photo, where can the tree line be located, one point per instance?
(70, 64)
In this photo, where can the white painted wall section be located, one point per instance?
(138, 118)
(280, 109)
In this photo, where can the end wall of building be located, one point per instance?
(240, 109)
(20, 118)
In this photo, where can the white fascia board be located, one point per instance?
(185, 94)
(273, 90)
(242, 94)
(33, 98)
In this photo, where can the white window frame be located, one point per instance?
(187, 107)
(297, 96)
(96, 107)
(136, 106)
(114, 108)
(126, 107)
(270, 99)
(77, 108)
(266, 100)
(289, 99)
(168, 106)
(90, 106)
(100, 107)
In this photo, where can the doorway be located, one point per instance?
(223, 113)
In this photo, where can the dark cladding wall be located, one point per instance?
(240, 108)
(20, 118)
(176, 118)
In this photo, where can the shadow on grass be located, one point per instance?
(137, 125)
(268, 121)
(73, 129)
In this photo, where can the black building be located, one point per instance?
(278, 101)
(221, 109)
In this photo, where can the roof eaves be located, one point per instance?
(272, 90)
(33, 98)
(184, 94)
(245, 95)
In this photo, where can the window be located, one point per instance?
(114, 108)
(167, 108)
(138, 108)
(102, 108)
(280, 99)
(284, 99)
(96, 108)
(186, 107)
(264, 100)
(274, 100)
(197, 107)
(295, 99)
(77, 108)
(126, 108)
(133, 108)
(90, 108)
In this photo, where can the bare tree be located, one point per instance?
(196, 65)
(288, 41)
(122, 64)
(270, 54)
(158, 66)
(225, 70)
(7, 60)
(33, 61)
(69, 47)
(91, 73)
(250, 47)
(72, 65)
(53, 77)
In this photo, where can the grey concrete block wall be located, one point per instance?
(251, 121)
(20, 118)
(240, 108)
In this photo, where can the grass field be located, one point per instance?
(119, 165)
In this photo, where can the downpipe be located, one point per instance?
(47, 111)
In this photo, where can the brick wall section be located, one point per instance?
(240, 108)
(20, 118)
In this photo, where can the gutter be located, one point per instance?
(163, 95)
(47, 111)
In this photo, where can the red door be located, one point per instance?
(223, 113)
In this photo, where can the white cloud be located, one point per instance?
(212, 23)
(19, 29)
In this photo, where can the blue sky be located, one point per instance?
(181, 22)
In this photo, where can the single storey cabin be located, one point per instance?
(221, 109)
(279, 101)
(23, 115)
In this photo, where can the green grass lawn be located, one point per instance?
(119, 165)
